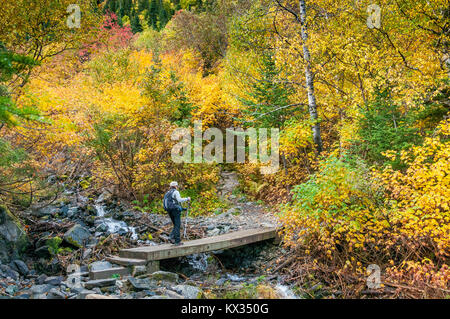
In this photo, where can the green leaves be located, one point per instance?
(384, 127)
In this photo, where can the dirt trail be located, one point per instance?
(243, 212)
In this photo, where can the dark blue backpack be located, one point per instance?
(169, 202)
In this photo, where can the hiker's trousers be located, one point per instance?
(175, 216)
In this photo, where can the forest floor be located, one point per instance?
(109, 225)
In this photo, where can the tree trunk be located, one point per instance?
(309, 79)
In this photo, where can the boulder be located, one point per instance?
(164, 276)
(11, 290)
(20, 267)
(39, 290)
(6, 272)
(45, 211)
(140, 284)
(13, 239)
(169, 294)
(72, 212)
(54, 280)
(41, 279)
(55, 293)
(77, 236)
(188, 291)
(139, 271)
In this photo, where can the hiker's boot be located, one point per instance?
(178, 244)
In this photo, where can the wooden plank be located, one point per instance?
(226, 241)
(108, 273)
(126, 261)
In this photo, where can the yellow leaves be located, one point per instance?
(294, 137)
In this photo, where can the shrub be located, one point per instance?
(383, 127)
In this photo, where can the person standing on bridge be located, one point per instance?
(172, 204)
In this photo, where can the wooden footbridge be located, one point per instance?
(150, 256)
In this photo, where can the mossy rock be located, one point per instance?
(164, 276)
(13, 238)
(77, 236)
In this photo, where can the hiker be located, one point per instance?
(172, 204)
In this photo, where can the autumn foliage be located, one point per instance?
(94, 108)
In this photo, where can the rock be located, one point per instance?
(13, 239)
(64, 210)
(11, 290)
(169, 294)
(118, 215)
(139, 270)
(8, 272)
(77, 236)
(87, 253)
(104, 197)
(220, 281)
(102, 228)
(20, 267)
(225, 229)
(56, 294)
(54, 280)
(23, 296)
(144, 294)
(164, 276)
(188, 291)
(40, 289)
(81, 292)
(140, 284)
(72, 212)
(214, 232)
(90, 220)
(100, 283)
(100, 265)
(45, 211)
(42, 252)
(41, 279)
(97, 296)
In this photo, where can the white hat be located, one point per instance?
(173, 184)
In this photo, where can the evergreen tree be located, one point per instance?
(127, 5)
(163, 17)
(177, 4)
(267, 99)
(153, 14)
(110, 6)
(120, 10)
(136, 25)
(143, 5)
(12, 64)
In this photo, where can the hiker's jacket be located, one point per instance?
(177, 196)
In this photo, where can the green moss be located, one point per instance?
(18, 244)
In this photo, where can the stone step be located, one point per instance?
(100, 283)
(108, 273)
(126, 261)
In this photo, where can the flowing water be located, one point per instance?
(114, 226)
